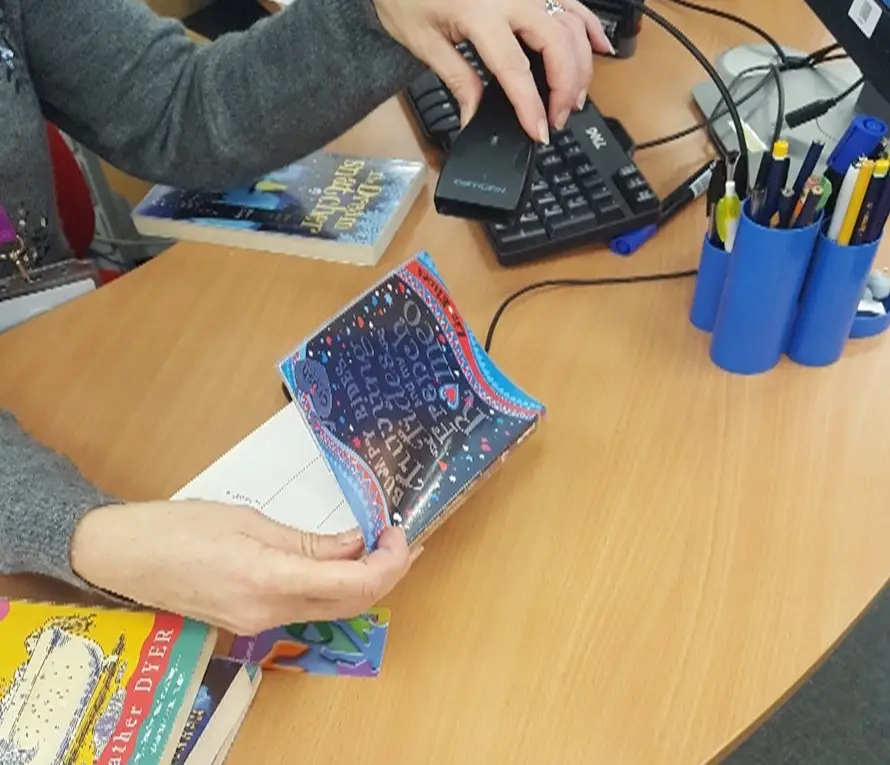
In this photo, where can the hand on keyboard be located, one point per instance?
(564, 32)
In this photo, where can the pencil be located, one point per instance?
(866, 169)
(842, 202)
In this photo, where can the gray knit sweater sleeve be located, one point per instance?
(138, 91)
(42, 497)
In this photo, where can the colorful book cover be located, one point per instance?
(88, 685)
(347, 648)
(404, 402)
(216, 683)
(325, 205)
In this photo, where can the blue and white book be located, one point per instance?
(327, 206)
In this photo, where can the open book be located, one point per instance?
(400, 413)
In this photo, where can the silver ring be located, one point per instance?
(552, 7)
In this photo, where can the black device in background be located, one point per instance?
(621, 22)
(584, 187)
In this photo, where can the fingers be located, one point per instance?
(597, 36)
(499, 49)
(568, 60)
(456, 74)
(562, 39)
(584, 60)
(349, 544)
(289, 576)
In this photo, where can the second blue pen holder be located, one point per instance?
(759, 298)
(828, 305)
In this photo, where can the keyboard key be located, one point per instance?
(426, 83)
(576, 205)
(431, 99)
(539, 186)
(563, 137)
(627, 171)
(528, 218)
(544, 199)
(550, 164)
(574, 156)
(644, 201)
(551, 211)
(610, 213)
(600, 197)
(561, 179)
(567, 192)
(571, 225)
(520, 239)
(586, 170)
(446, 126)
(438, 112)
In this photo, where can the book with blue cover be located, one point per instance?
(406, 406)
(327, 206)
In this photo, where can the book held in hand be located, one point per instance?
(95, 685)
(327, 206)
(408, 409)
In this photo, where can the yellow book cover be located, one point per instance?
(94, 686)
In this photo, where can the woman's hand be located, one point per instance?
(431, 28)
(232, 567)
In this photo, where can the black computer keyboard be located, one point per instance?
(585, 188)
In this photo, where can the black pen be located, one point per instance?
(716, 190)
(686, 193)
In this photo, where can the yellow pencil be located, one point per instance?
(852, 214)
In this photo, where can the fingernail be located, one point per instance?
(543, 132)
(415, 554)
(349, 538)
(582, 100)
(561, 120)
(611, 47)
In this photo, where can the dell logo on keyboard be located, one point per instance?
(596, 138)
(485, 188)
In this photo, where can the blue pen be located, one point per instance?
(776, 180)
(686, 193)
(809, 165)
(860, 139)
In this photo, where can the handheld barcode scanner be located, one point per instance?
(486, 173)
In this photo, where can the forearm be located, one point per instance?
(42, 498)
(138, 91)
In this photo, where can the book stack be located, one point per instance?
(110, 686)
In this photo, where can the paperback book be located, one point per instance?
(93, 685)
(328, 206)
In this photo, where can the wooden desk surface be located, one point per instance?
(640, 584)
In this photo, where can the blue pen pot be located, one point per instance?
(712, 268)
(758, 304)
(868, 325)
(828, 305)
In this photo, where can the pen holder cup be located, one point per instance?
(712, 268)
(766, 271)
(867, 325)
(831, 293)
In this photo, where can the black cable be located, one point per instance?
(742, 157)
(816, 58)
(759, 31)
(780, 106)
(666, 276)
(816, 109)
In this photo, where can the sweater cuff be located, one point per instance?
(43, 497)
